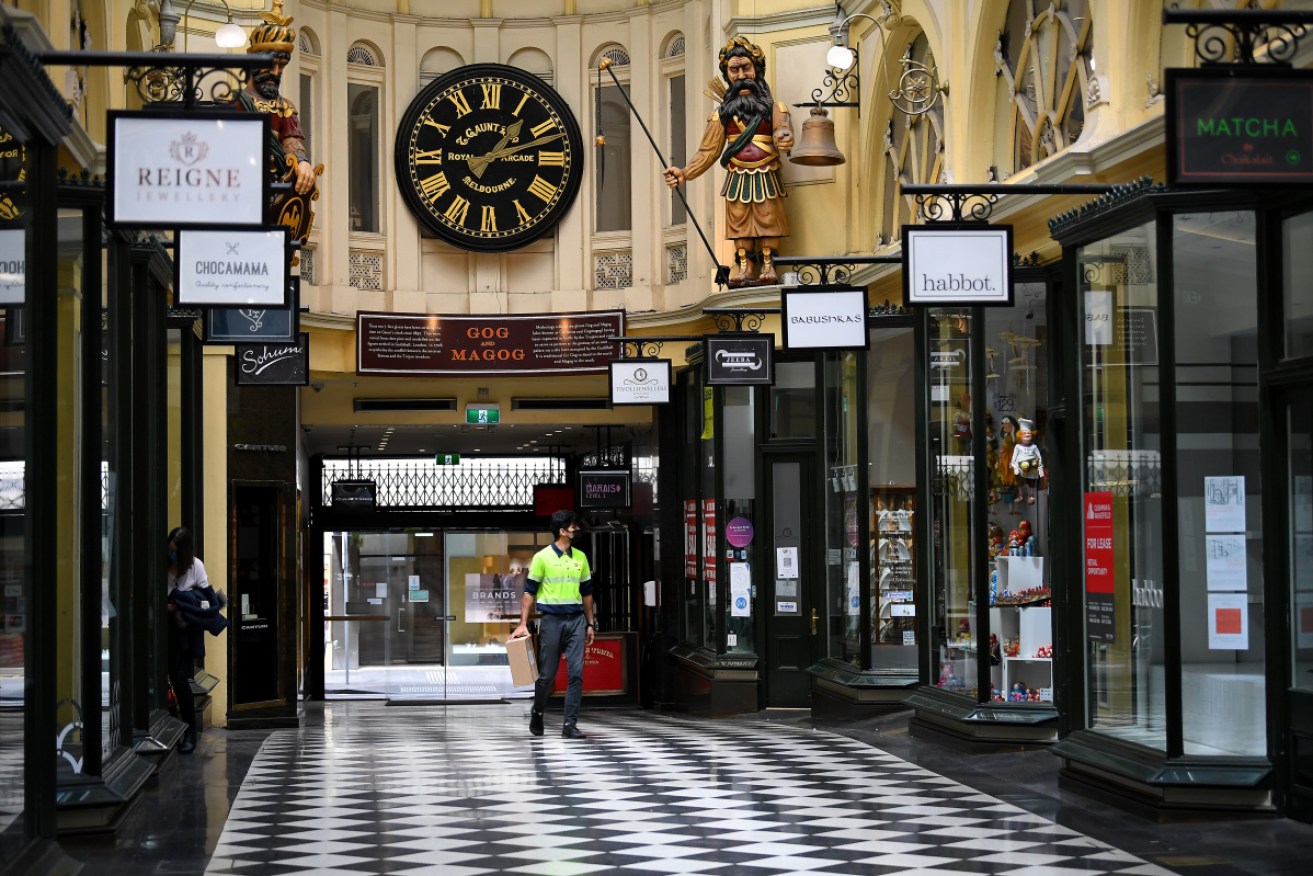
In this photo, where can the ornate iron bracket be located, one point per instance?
(916, 91)
(938, 202)
(649, 347)
(829, 270)
(1251, 36)
(739, 319)
(168, 77)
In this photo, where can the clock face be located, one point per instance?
(489, 157)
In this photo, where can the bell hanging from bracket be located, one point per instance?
(816, 147)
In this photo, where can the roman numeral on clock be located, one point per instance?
(442, 129)
(462, 105)
(522, 213)
(491, 95)
(542, 188)
(519, 106)
(435, 186)
(539, 130)
(551, 159)
(457, 211)
(428, 156)
(489, 219)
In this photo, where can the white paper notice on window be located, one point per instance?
(1227, 562)
(381, 589)
(786, 562)
(1224, 504)
(740, 590)
(1228, 621)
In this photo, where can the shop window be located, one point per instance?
(793, 400)
(890, 436)
(739, 472)
(1125, 634)
(1223, 671)
(1042, 61)
(1297, 252)
(362, 157)
(843, 530)
(1299, 441)
(953, 508)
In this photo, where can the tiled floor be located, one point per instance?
(455, 790)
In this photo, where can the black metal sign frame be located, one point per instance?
(616, 485)
(255, 361)
(256, 325)
(740, 359)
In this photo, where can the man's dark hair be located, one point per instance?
(563, 519)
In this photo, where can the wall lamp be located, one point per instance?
(229, 36)
(918, 87)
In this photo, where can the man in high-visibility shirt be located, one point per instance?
(561, 584)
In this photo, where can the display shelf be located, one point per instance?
(893, 568)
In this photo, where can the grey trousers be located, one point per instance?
(557, 634)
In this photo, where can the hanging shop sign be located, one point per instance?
(957, 265)
(243, 325)
(1100, 568)
(824, 319)
(741, 359)
(354, 495)
(640, 382)
(233, 267)
(426, 344)
(13, 265)
(1242, 127)
(188, 170)
(274, 364)
(604, 489)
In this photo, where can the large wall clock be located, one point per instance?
(489, 157)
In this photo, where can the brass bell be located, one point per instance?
(816, 146)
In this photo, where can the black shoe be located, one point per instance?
(188, 744)
(569, 731)
(536, 723)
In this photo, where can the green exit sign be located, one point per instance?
(483, 416)
(447, 459)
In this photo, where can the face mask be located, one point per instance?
(173, 556)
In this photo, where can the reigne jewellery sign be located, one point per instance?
(233, 267)
(426, 344)
(947, 264)
(188, 170)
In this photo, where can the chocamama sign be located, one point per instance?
(955, 265)
(233, 268)
(188, 170)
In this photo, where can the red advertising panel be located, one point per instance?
(709, 540)
(421, 344)
(1100, 567)
(690, 538)
(604, 667)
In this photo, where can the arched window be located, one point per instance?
(364, 102)
(612, 169)
(536, 61)
(676, 115)
(912, 145)
(1043, 68)
(437, 61)
(308, 45)
(364, 55)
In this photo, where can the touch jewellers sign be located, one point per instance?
(958, 265)
(746, 359)
(1239, 126)
(424, 344)
(824, 319)
(188, 170)
(640, 382)
(233, 268)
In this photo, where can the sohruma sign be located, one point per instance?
(274, 364)
(430, 344)
(13, 265)
(1242, 126)
(640, 382)
(827, 318)
(742, 359)
(957, 265)
(233, 267)
(604, 489)
(188, 170)
(245, 325)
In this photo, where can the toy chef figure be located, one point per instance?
(1027, 463)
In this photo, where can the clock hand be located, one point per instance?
(519, 147)
(478, 165)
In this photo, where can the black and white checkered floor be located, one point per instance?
(464, 790)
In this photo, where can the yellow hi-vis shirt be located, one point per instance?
(559, 580)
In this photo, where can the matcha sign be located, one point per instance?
(1246, 127)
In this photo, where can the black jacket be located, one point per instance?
(192, 621)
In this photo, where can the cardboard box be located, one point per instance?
(524, 662)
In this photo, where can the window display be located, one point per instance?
(893, 569)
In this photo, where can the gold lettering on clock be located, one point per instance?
(542, 188)
(539, 130)
(522, 213)
(457, 211)
(491, 95)
(551, 159)
(462, 105)
(489, 218)
(435, 186)
(442, 129)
